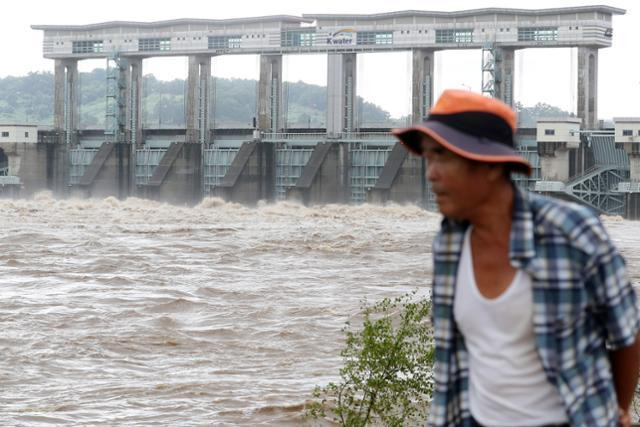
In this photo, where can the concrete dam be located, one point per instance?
(574, 158)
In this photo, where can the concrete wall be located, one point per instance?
(555, 167)
(421, 84)
(557, 138)
(37, 166)
(588, 85)
(18, 133)
(402, 179)
(410, 184)
(181, 184)
(633, 206)
(112, 177)
(251, 176)
(341, 93)
(634, 167)
(561, 130)
(505, 75)
(629, 125)
(9, 191)
(65, 91)
(198, 105)
(325, 179)
(33, 168)
(57, 168)
(270, 107)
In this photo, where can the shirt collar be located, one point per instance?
(521, 241)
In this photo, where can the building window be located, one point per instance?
(154, 44)
(627, 132)
(538, 34)
(234, 42)
(549, 131)
(375, 37)
(225, 42)
(5, 134)
(87, 46)
(295, 38)
(26, 134)
(454, 36)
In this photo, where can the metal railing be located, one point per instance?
(79, 161)
(147, 159)
(366, 166)
(289, 165)
(216, 162)
(321, 136)
(9, 180)
(629, 187)
(287, 136)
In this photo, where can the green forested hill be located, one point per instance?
(30, 99)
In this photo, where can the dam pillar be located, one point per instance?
(270, 107)
(421, 84)
(588, 86)
(505, 71)
(65, 99)
(198, 108)
(341, 94)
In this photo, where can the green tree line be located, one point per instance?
(30, 99)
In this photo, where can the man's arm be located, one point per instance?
(625, 365)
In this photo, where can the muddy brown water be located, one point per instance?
(141, 313)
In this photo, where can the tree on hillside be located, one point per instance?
(528, 116)
(30, 99)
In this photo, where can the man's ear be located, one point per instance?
(496, 171)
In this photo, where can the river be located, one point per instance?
(141, 313)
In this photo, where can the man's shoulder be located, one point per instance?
(558, 212)
(579, 225)
(449, 236)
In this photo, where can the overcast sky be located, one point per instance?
(542, 75)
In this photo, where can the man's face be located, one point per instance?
(460, 185)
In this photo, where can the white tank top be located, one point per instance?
(507, 384)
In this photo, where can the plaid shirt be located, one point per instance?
(583, 305)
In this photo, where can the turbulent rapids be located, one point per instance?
(141, 313)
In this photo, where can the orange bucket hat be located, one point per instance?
(470, 125)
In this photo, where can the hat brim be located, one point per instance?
(463, 144)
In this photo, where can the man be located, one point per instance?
(535, 321)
